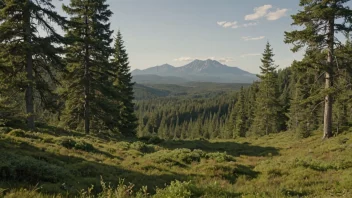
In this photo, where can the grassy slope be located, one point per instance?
(278, 165)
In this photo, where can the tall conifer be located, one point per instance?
(30, 60)
(123, 84)
(86, 86)
(266, 111)
(321, 20)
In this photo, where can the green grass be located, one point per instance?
(56, 163)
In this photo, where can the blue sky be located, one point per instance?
(176, 32)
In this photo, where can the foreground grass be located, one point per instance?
(54, 163)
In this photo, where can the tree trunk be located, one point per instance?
(329, 81)
(29, 68)
(86, 81)
(328, 108)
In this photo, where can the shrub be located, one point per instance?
(151, 139)
(220, 157)
(67, 143)
(5, 130)
(176, 189)
(17, 133)
(123, 146)
(84, 146)
(155, 140)
(142, 147)
(48, 140)
(15, 167)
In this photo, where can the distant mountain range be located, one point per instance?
(196, 71)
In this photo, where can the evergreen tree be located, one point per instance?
(302, 112)
(266, 118)
(87, 89)
(321, 20)
(124, 85)
(241, 115)
(29, 61)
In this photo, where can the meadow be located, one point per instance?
(52, 162)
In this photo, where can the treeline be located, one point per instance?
(286, 99)
(312, 94)
(76, 80)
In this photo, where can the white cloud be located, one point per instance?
(247, 55)
(272, 16)
(227, 24)
(184, 59)
(226, 60)
(250, 24)
(249, 38)
(221, 23)
(259, 12)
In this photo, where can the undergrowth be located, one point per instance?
(62, 164)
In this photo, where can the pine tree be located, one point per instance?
(266, 113)
(29, 61)
(241, 118)
(302, 111)
(321, 21)
(87, 88)
(124, 85)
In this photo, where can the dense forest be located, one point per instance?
(71, 116)
(286, 99)
(82, 78)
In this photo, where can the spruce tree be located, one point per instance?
(302, 112)
(87, 88)
(267, 107)
(127, 122)
(321, 20)
(241, 117)
(30, 60)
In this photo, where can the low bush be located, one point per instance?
(220, 157)
(176, 189)
(67, 143)
(17, 133)
(84, 146)
(15, 167)
(142, 147)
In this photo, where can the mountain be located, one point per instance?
(198, 71)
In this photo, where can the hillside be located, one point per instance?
(198, 71)
(191, 89)
(52, 161)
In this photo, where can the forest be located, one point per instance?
(73, 123)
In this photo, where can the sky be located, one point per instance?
(233, 32)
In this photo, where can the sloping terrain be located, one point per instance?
(53, 161)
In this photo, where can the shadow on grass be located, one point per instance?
(231, 148)
(24, 165)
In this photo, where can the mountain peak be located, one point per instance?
(209, 70)
(165, 65)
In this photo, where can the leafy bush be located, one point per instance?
(17, 133)
(142, 147)
(48, 140)
(151, 139)
(24, 168)
(84, 146)
(67, 143)
(5, 130)
(220, 157)
(123, 146)
(176, 189)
